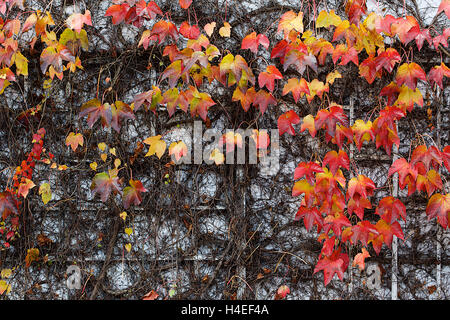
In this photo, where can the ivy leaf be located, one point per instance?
(327, 19)
(304, 187)
(390, 209)
(409, 73)
(157, 146)
(74, 140)
(307, 170)
(286, 120)
(132, 193)
(436, 74)
(444, 6)
(363, 131)
(336, 160)
(45, 192)
(185, 3)
(336, 263)
(310, 216)
(118, 12)
(439, 206)
(253, 41)
(105, 183)
(389, 230)
(178, 149)
(94, 109)
(24, 187)
(188, 31)
(148, 10)
(291, 21)
(76, 20)
(225, 31)
(329, 119)
(298, 87)
(268, 77)
(120, 111)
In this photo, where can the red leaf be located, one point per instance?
(310, 215)
(390, 209)
(439, 206)
(408, 73)
(94, 109)
(307, 170)
(359, 259)
(152, 295)
(148, 10)
(268, 77)
(185, 3)
(444, 6)
(389, 230)
(105, 183)
(329, 118)
(253, 41)
(118, 12)
(7, 204)
(132, 193)
(188, 31)
(336, 160)
(282, 292)
(336, 263)
(285, 122)
(298, 87)
(437, 73)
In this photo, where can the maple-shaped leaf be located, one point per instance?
(441, 39)
(188, 31)
(326, 19)
(152, 295)
(360, 232)
(391, 91)
(300, 61)
(74, 140)
(262, 99)
(422, 36)
(359, 259)
(355, 9)
(54, 55)
(282, 292)
(405, 171)
(336, 160)
(307, 170)
(118, 12)
(253, 41)
(406, 29)
(298, 87)
(148, 10)
(286, 120)
(148, 98)
(436, 74)
(387, 59)
(304, 187)
(336, 222)
(246, 97)
(290, 21)
(106, 182)
(428, 156)
(76, 20)
(163, 29)
(361, 185)
(178, 150)
(310, 216)
(157, 146)
(342, 132)
(368, 69)
(408, 97)
(444, 7)
(328, 246)
(32, 255)
(7, 204)
(120, 111)
(336, 263)
(439, 206)
(132, 193)
(199, 102)
(409, 73)
(237, 67)
(388, 230)
(268, 77)
(329, 119)
(308, 122)
(363, 131)
(390, 209)
(185, 3)
(24, 187)
(346, 53)
(94, 109)
(429, 183)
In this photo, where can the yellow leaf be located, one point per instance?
(333, 76)
(4, 287)
(102, 146)
(45, 192)
(103, 156)
(157, 146)
(128, 247)
(225, 31)
(112, 151)
(217, 156)
(117, 162)
(21, 64)
(123, 215)
(6, 273)
(128, 231)
(93, 165)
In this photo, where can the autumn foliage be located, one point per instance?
(334, 196)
